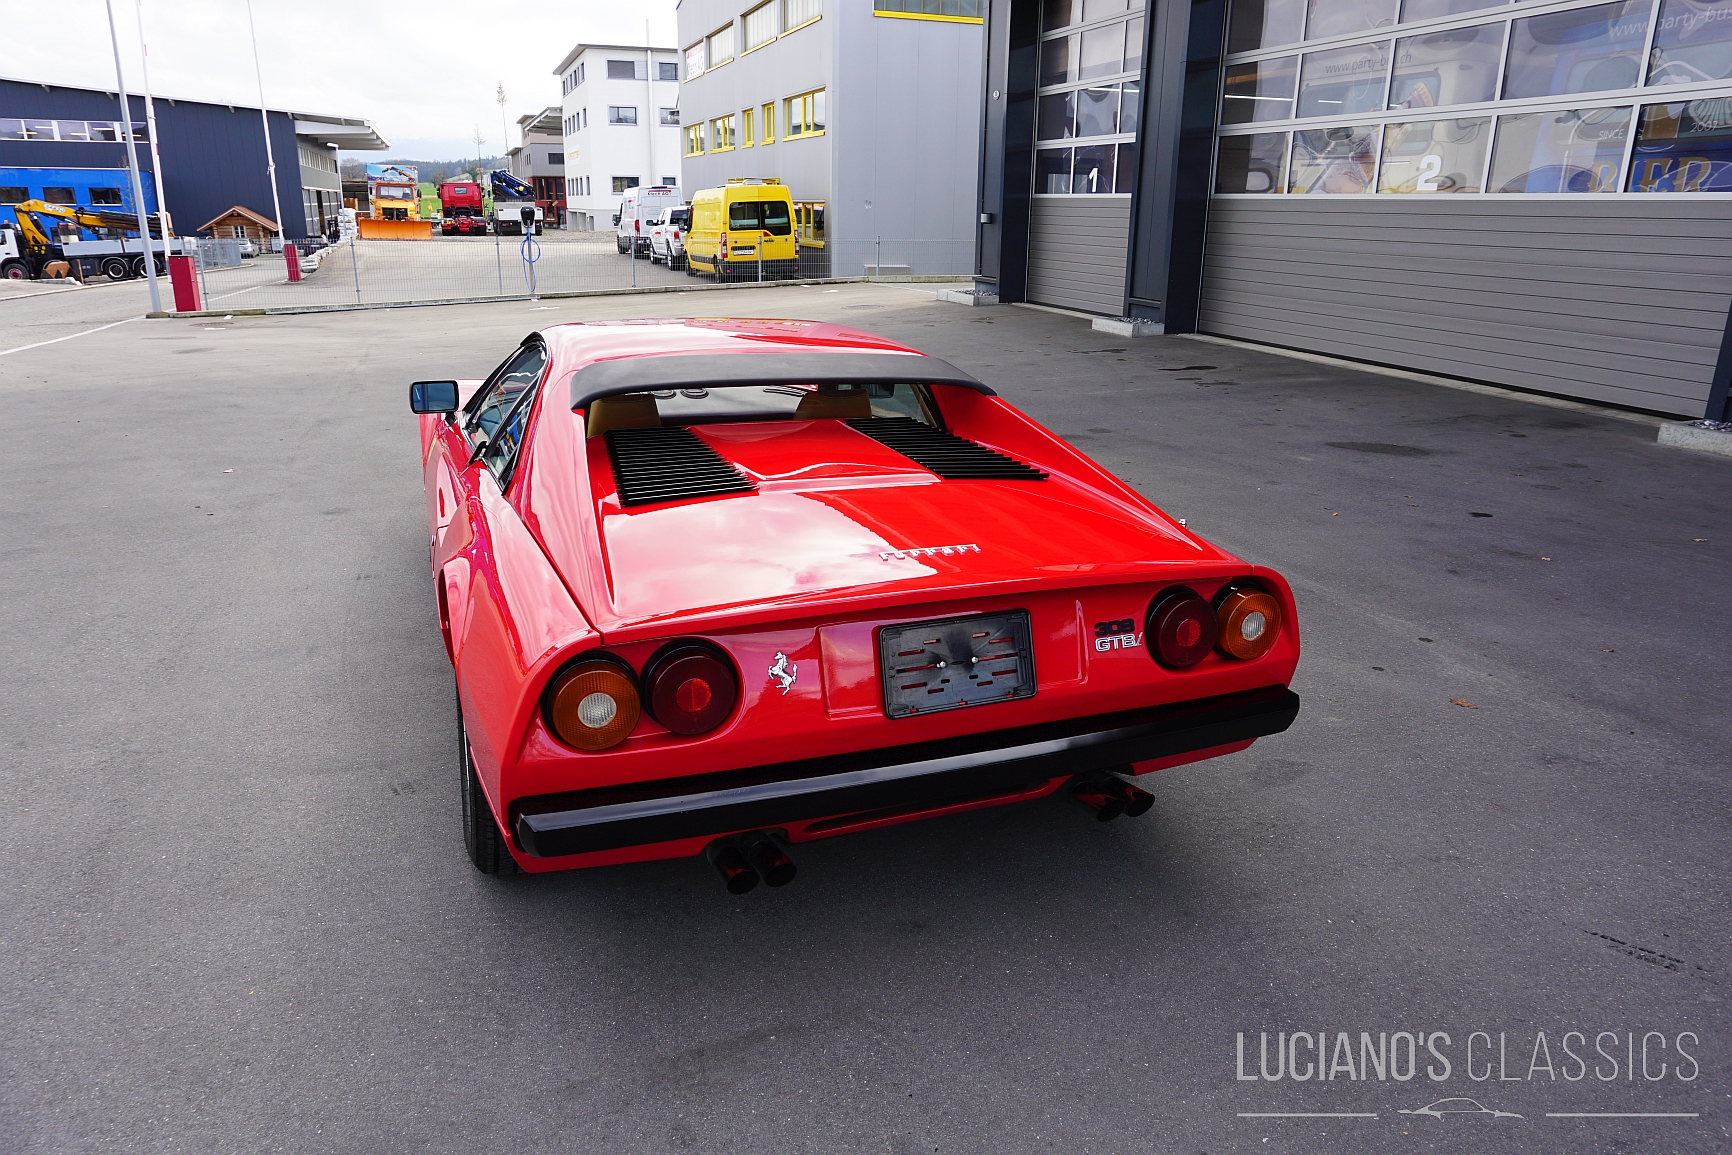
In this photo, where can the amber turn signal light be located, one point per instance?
(1250, 621)
(593, 705)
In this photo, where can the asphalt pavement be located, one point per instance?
(238, 916)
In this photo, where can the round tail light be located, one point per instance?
(1181, 629)
(593, 705)
(1250, 621)
(690, 688)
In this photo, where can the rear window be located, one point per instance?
(789, 403)
(768, 216)
(680, 217)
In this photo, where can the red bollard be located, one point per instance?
(183, 275)
(294, 259)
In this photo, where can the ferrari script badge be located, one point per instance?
(784, 671)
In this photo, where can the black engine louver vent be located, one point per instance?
(668, 464)
(949, 456)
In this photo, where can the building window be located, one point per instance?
(722, 133)
(624, 70)
(746, 140)
(695, 60)
(959, 11)
(799, 13)
(670, 117)
(695, 140)
(621, 114)
(667, 70)
(12, 194)
(759, 25)
(105, 196)
(804, 115)
(769, 111)
(1358, 106)
(66, 130)
(719, 46)
(60, 196)
(1086, 117)
(624, 184)
(555, 158)
(671, 181)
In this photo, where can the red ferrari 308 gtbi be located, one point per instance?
(723, 586)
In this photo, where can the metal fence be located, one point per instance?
(377, 272)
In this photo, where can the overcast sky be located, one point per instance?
(423, 71)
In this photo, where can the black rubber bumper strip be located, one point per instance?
(550, 825)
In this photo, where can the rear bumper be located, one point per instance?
(551, 825)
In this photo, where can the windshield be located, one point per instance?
(769, 216)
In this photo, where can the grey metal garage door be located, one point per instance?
(1076, 252)
(1616, 299)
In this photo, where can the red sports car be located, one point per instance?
(724, 586)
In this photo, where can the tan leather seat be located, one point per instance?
(831, 401)
(626, 411)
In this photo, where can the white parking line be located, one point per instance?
(68, 337)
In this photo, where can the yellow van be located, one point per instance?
(736, 225)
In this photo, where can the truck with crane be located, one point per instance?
(510, 197)
(117, 250)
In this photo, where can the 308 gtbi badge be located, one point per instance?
(623, 517)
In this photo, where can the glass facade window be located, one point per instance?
(1444, 68)
(1251, 163)
(1344, 81)
(1512, 74)
(622, 114)
(957, 10)
(1096, 71)
(1259, 24)
(1684, 148)
(1333, 160)
(1578, 151)
(1434, 156)
(804, 115)
(1327, 18)
(1693, 43)
(1412, 10)
(1260, 90)
(1579, 50)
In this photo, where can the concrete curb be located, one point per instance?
(1702, 436)
(289, 310)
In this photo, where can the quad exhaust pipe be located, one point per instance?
(744, 860)
(1109, 796)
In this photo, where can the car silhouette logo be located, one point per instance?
(1444, 1107)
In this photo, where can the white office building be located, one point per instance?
(621, 125)
(870, 114)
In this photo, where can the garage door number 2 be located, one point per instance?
(1430, 168)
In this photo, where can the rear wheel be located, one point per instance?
(482, 837)
(116, 268)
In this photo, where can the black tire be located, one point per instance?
(482, 837)
(116, 268)
(14, 271)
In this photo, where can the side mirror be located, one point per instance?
(433, 397)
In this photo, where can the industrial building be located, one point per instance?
(870, 115)
(213, 155)
(539, 161)
(1532, 196)
(621, 126)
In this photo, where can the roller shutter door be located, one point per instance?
(1076, 252)
(1618, 300)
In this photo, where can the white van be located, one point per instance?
(631, 235)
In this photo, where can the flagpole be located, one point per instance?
(132, 168)
(270, 157)
(150, 119)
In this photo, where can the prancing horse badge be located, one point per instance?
(784, 671)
